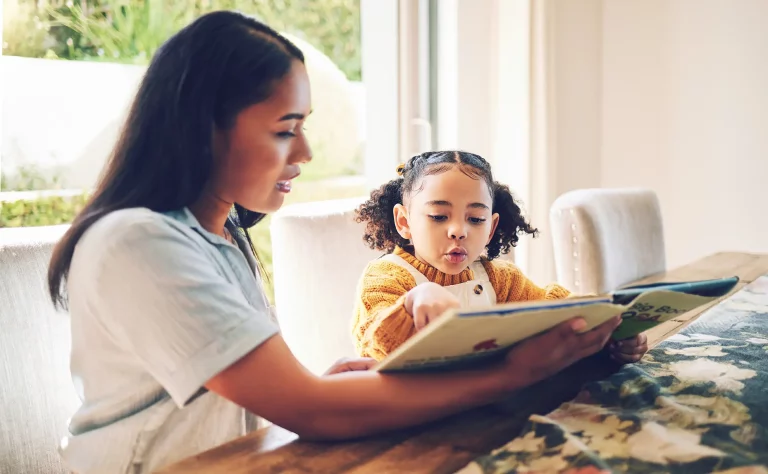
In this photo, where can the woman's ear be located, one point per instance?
(494, 225)
(401, 221)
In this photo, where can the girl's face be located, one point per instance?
(255, 161)
(448, 219)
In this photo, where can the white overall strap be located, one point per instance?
(478, 269)
(400, 261)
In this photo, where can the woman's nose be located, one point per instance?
(303, 153)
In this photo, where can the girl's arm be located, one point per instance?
(270, 382)
(381, 320)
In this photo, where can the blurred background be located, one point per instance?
(557, 94)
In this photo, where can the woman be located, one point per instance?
(174, 349)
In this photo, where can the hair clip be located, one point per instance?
(400, 169)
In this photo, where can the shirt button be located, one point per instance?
(478, 289)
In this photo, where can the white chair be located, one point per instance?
(318, 256)
(36, 391)
(606, 238)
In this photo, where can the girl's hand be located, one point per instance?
(542, 356)
(350, 365)
(629, 350)
(428, 302)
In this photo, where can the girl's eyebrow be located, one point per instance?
(474, 205)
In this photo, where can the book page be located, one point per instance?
(653, 308)
(460, 338)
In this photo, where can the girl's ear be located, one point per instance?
(494, 225)
(401, 221)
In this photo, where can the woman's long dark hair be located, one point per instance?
(201, 78)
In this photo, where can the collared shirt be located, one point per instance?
(159, 306)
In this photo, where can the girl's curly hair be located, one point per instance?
(377, 212)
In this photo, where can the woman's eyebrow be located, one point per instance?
(293, 116)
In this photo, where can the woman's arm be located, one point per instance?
(270, 382)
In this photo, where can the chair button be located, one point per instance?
(478, 289)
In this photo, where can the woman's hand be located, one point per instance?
(428, 302)
(542, 356)
(627, 351)
(350, 365)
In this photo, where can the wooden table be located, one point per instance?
(448, 445)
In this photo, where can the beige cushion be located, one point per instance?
(318, 257)
(36, 392)
(606, 238)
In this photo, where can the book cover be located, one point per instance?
(462, 339)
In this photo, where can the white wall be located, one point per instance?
(578, 89)
(670, 95)
(685, 112)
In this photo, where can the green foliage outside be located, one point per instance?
(49, 210)
(130, 31)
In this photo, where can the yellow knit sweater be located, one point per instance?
(381, 323)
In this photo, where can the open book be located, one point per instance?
(461, 339)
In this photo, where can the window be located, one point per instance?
(390, 78)
(63, 116)
(71, 69)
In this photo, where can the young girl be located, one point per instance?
(174, 349)
(443, 222)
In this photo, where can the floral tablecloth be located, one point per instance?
(696, 403)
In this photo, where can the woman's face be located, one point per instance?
(255, 160)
